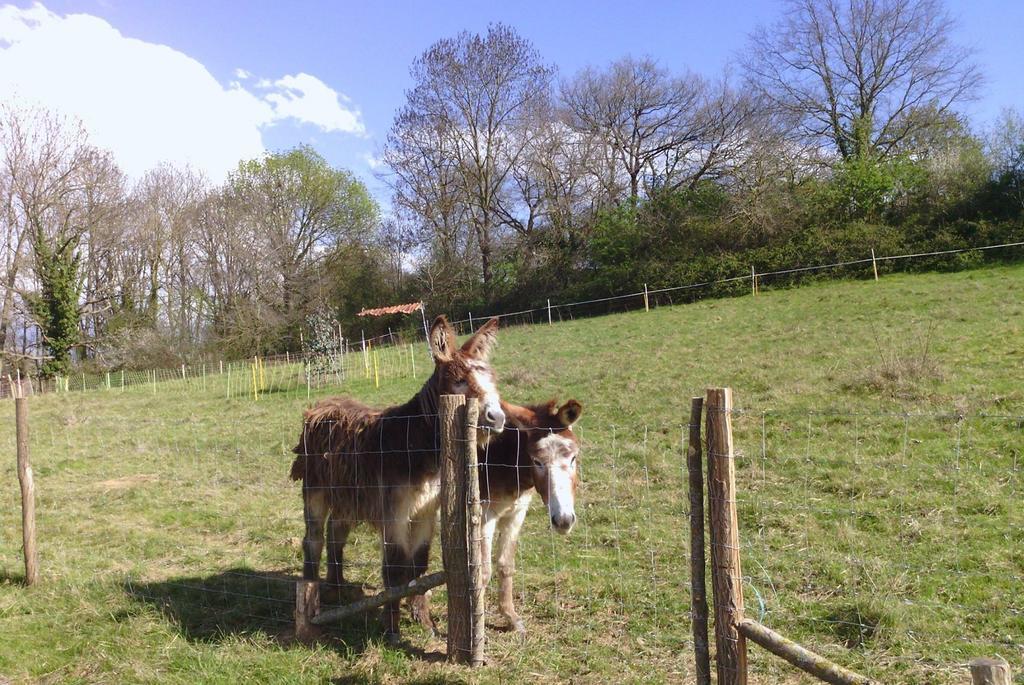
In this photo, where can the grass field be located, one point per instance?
(879, 442)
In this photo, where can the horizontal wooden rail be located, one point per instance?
(414, 587)
(804, 659)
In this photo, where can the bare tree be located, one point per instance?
(555, 185)
(60, 191)
(14, 147)
(645, 117)
(472, 91)
(855, 72)
(425, 179)
(166, 202)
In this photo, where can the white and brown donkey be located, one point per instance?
(537, 451)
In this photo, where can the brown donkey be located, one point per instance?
(539, 451)
(382, 466)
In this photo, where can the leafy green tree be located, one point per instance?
(56, 303)
(299, 211)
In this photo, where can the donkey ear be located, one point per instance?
(442, 340)
(482, 343)
(569, 413)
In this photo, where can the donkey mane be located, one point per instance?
(348, 448)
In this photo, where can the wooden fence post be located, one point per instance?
(726, 573)
(461, 529)
(995, 671)
(28, 491)
(698, 591)
(307, 606)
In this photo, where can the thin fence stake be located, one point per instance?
(549, 313)
(366, 359)
(376, 371)
(698, 590)
(647, 305)
(874, 263)
(28, 491)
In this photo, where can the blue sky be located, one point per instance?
(362, 51)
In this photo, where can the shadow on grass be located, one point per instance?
(11, 578)
(242, 602)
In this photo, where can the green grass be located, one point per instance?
(879, 454)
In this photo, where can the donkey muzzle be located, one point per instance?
(494, 418)
(563, 522)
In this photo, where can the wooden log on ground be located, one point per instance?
(726, 572)
(802, 658)
(986, 671)
(414, 587)
(698, 589)
(28, 492)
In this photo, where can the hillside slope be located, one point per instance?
(878, 450)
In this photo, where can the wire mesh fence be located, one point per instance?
(385, 357)
(888, 542)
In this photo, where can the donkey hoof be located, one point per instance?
(519, 627)
(392, 638)
(424, 619)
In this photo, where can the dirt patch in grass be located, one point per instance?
(126, 482)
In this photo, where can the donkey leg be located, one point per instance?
(420, 604)
(337, 536)
(511, 525)
(396, 570)
(314, 506)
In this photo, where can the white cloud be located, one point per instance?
(373, 161)
(150, 103)
(309, 99)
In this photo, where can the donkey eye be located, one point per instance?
(538, 463)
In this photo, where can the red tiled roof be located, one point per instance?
(396, 309)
